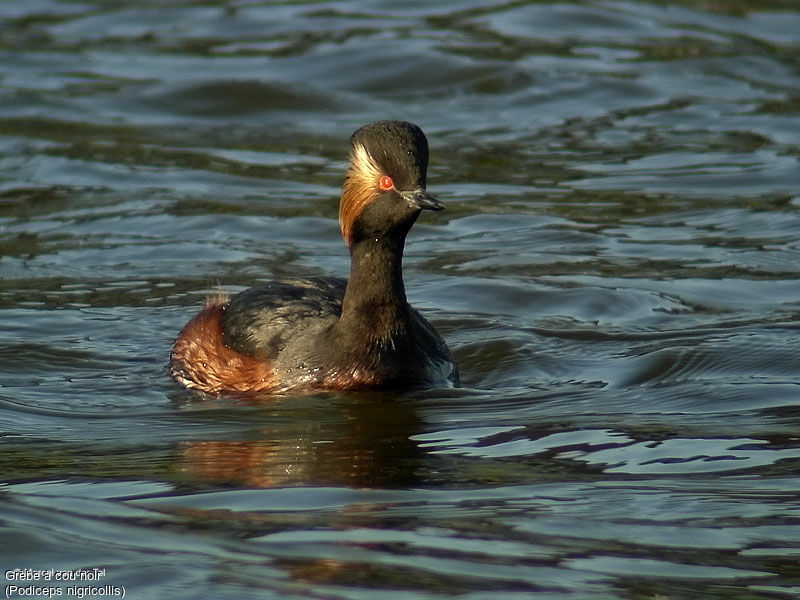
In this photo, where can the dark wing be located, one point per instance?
(260, 320)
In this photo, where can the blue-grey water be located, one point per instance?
(617, 273)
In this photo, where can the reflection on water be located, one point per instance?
(616, 272)
(359, 440)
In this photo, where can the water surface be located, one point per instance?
(616, 272)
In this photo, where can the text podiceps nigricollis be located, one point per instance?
(329, 333)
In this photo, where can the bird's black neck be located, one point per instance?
(374, 306)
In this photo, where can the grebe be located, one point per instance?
(325, 333)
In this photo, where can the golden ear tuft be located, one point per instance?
(360, 188)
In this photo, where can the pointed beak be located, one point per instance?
(422, 200)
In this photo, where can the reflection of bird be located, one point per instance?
(329, 333)
(339, 440)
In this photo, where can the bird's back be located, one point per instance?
(262, 320)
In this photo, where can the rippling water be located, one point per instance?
(617, 273)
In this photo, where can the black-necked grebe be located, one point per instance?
(330, 333)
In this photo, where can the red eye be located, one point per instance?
(386, 183)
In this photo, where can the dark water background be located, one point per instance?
(617, 273)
